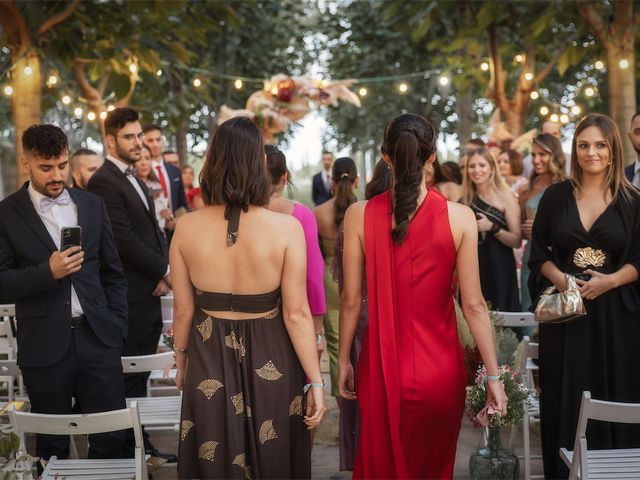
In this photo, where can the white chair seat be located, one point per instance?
(90, 469)
(618, 463)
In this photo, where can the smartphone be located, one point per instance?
(70, 237)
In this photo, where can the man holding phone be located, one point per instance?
(71, 304)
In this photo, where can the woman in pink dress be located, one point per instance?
(280, 178)
(411, 376)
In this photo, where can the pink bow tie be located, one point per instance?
(47, 203)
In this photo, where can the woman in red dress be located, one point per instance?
(411, 376)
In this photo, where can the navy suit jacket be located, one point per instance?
(319, 192)
(43, 305)
(178, 197)
(628, 171)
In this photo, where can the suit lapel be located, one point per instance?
(83, 211)
(27, 211)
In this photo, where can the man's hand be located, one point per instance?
(162, 288)
(65, 263)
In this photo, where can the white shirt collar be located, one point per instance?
(637, 166)
(122, 166)
(36, 197)
(157, 163)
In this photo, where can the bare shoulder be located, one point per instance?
(508, 197)
(459, 212)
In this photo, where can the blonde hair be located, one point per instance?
(615, 178)
(496, 179)
(551, 145)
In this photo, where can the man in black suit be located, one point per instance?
(321, 186)
(71, 306)
(141, 244)
(632, 171)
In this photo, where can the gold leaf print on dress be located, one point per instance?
(269, 372)
(209, 387)
(232, 342)
(273, 314)
(241, 461)
(238, 403)
(248, 410)
(207, 450)
(588, 256)
(205, 328)
(185, 427)
(296, 406)
(267, 432)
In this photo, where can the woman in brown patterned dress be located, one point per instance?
(243, 332)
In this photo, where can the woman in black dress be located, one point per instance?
(243, 333)
(589, 226)
(498, 216)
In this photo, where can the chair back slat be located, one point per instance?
(9, 368)
(8, 310)
(516, 319)
(147, 363)
(614, 411)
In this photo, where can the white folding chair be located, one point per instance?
(610, 464)
(126, 468)
(10, 372)
(156, 413)
(166, 305)
(9, 345)
(516, 319)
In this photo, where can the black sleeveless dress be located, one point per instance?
(243, 405)
(497, 264)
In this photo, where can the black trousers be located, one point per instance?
(91, 373)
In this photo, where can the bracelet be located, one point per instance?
(306, 388)
(319, 337)
(180, 350)
(491, 377)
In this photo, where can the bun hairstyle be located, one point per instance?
(344, 175)
(276, 165)
(409, 140)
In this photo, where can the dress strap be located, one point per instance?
(232, 214)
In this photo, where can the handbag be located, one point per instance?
(560, 307)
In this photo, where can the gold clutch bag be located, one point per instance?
(560, 307)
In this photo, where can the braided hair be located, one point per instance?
(344, 175)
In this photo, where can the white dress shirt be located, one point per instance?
(132, 180)
(160, 163)
(636, 173)
(57, 217)
(326, 176)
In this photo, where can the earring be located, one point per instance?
(388, 166)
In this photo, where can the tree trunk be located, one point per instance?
(622, 93)
(514, 117)
(181, 143)
(25, 103)
(464, 110)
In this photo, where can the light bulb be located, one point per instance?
(238, 84)
(518, 58)
(403, 87)
(589, 92)
(103, 115)
(484, 66)
(28, 70)
(576, 110)
(554, 118)
(197, 82)
(444, 81)
(624, 64)
(8, 90)
(544, 111)
(362, 92)
(133, 68)
(77, 112)
(534, 95)
(66, 99)
(564, 118)
(111, 108)
(91, 116)
(599, 65)
(159, 72)
(53, 80)
(528, 76)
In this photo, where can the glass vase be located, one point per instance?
(493, 461)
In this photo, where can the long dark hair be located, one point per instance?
(344, 175)
(276, 165)
(234, 172)
(409, 140)
(380, 182)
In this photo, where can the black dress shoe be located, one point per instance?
(169, 457)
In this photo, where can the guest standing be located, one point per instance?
(144, 172)
(411, 376)
(84, 163)
(187, 174)
(329, 216)
(498, 221)
(589, 226)
(510, 166)
(244, 340)
(632, 172)
(435, 179)
(280, 177)
(547, 159)
(321, 183)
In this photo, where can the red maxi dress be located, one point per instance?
(410, 378)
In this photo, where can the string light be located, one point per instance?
(8, 90)
(589, 92)
(564, 118)
(484, 66)
(403, 87)
(133, 68)
(91, 116)
(111, 108)
(599, 65)
(624, 64)
(159, 72)
(103, 115)
(77, 112)
(444, 81)
(274, 89)
(554, 118)
(238, 84)
(52, 80)
(576, 110)
(362, 92)
(197, 82)
(66, 99)
(324, 83)
(28, 70)
(544, 111)
(528, 76)
(519, 58)
(534, 95)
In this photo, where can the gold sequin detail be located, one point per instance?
(205, 328)
(232, 342)
(241, 461)
(207, 450)
(238, 403)
(269, 372)
(267, 432)
(184, 429)
(209, 387)
(296, 406)
(588, 256)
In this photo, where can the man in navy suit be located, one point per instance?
(322, 182)
(71, 306)
(633, 171)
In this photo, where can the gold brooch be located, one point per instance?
(588, 256)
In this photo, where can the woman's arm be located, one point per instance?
(351, 296)
(183, 304)
(511, 237)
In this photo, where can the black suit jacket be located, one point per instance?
(141, 244)
(629, 171)
(43, 305)
(319, 192)
(178, 197)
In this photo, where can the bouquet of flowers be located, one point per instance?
(513, 387)
(167, 338)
